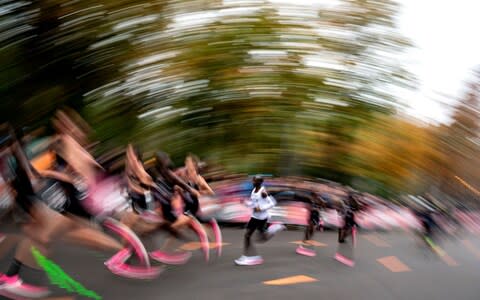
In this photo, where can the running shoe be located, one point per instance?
(119, 258)
(249, 260)
(218, 236)
(305, 251)
(14, 287)
(176, 258)
(275, 228)
(127, 234)
(344, 260)
(202, 235)
(134, 272)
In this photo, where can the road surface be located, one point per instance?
(389, 265)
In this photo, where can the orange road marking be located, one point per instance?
(310, 242)
(291, 280)
(377, 241)
(393, 264)
(197, 245)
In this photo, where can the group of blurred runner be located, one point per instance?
(68, 194)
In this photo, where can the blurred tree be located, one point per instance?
(460, 143)
(396, 155)
(249, 82)
(253, 86)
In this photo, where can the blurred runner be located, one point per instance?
(345, 254)
(11, 284)
(427, 226)
(62, 213)
(314, 221)
(350, 206)
(190, 173)
(151, 207)
(260, 202)
(169, 187)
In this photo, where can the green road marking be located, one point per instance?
(59, 278)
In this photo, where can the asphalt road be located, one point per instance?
(387, 266)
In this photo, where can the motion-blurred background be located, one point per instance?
(324, 90)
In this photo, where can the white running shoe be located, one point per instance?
(242, 258)
(249, 260)
(274, 228)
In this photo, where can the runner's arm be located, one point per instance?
(178, 181)
(269, 202)
(134, 167)
(204, 187)
(137, 178)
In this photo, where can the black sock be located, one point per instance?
(14, 268)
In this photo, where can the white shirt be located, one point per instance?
(256, 200)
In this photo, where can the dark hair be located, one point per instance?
(163, 161)
(258, 178)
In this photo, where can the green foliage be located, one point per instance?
(256, 87)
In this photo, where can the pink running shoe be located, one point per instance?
(119, 258)
(131, 237)
(134, 272)
(14, 287)
(176, 258)
(354, 236)
(218, 236)
(305, 251)
(202, 235)
(344, 260)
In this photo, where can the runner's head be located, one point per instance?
(353, 200)
(163, 161)
(192, 164)
(257, 181)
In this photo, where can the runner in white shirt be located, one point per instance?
(261, 202)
